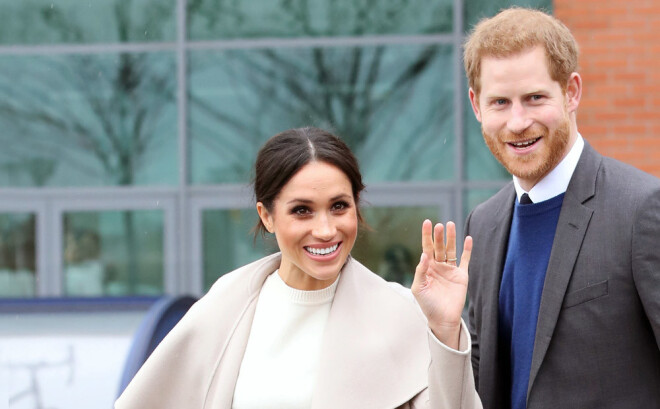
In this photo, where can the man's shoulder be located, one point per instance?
(609, 186)
(614, 171)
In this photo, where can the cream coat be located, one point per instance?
(376, 353)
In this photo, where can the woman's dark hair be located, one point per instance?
(284, 154)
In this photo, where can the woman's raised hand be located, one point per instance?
(440, 284)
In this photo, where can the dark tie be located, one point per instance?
(524, 199)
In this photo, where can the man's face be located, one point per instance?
(524, 114)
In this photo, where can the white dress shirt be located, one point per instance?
(555, 182)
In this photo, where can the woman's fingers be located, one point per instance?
(467, 252)
(436, 248)
(451, 243)
(439, 242)
(427, 239)
(420, 272)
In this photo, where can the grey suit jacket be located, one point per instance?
(376, 351)
(597, 339)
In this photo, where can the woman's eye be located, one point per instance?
(340, 206)
(300, 211)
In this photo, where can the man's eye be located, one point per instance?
(500, 101)
(537, 97)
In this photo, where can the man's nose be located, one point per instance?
(519, 119)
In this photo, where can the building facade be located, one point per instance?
(130, 127)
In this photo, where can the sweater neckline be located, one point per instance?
(306, 297)
(540, 207)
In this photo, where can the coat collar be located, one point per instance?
(493, 253)
(375, 350)
(572, 226)
(375, 340)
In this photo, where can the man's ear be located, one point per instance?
(474, 101)
(573, 92)
(265, 216)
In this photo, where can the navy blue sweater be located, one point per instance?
(530, 241)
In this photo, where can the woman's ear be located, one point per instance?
(265, 216)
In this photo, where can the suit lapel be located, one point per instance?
(494, 253)
(571, 228)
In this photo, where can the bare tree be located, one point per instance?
(97, 115)
(359, 92)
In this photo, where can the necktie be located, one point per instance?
(524, 199)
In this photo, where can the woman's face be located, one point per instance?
(314, 219)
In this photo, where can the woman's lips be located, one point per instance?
(323, 252)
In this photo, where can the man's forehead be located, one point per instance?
(503, 55)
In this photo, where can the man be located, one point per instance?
(564, 291)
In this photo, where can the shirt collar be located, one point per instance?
(555, 182)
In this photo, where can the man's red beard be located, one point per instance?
(536, 165)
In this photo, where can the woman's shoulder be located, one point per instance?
(233, 289)
(247, 276)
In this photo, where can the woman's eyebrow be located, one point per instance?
(308, 201)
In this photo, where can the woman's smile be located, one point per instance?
(323, 252)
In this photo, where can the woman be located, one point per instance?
(310, 327)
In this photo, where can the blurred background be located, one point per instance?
(128, 129)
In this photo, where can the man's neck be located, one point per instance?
(556, 181)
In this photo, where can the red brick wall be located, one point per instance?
(620, 68)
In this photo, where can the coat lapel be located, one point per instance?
(223, 382)
(571, 228)
(371, 350)
(494, 253)
(221, 389)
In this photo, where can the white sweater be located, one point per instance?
(281, 358)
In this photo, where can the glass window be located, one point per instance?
(81, 120)
(222, 19)
(113, 253)
(475, 196)
(480, 164)
(17, 255)
(475, 10)
(392, 104)
(99, 21)
(393, 248)
(229, 243)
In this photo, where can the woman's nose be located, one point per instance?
(324, 228)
